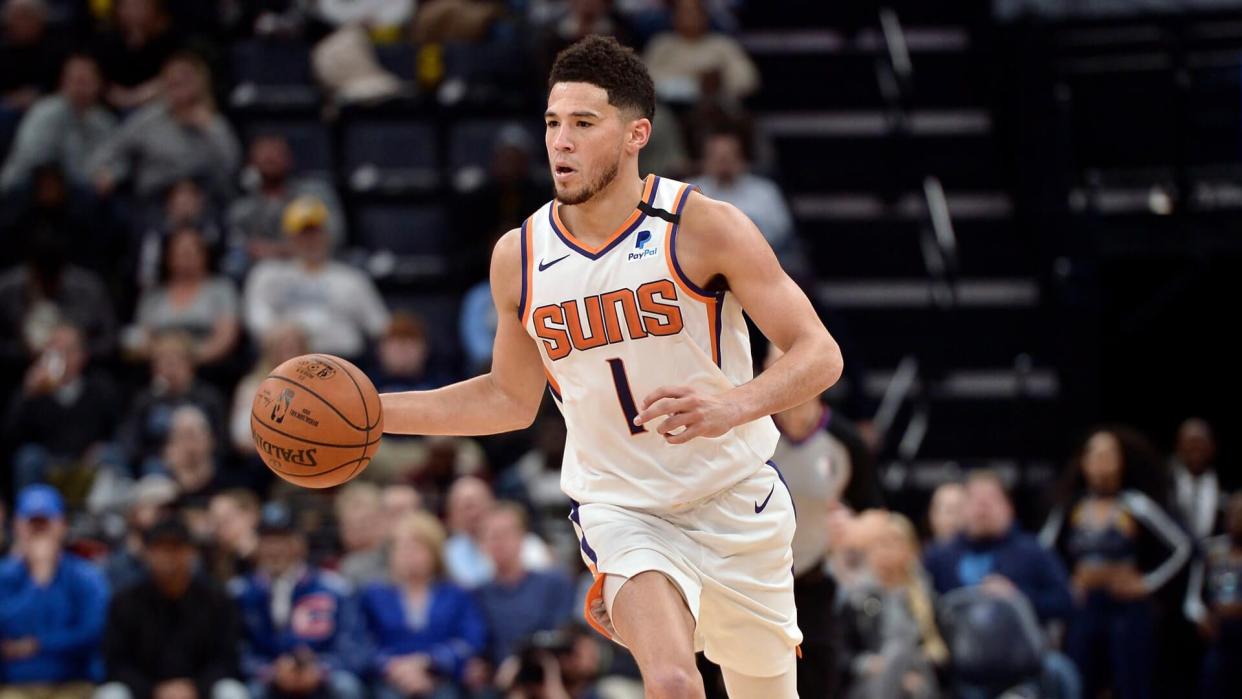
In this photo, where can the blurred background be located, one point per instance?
(1019, 218)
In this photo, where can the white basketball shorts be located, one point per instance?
(729, 554)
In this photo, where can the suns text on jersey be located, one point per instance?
(651, 309)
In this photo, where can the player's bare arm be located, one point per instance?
(504, 399)
(718, 245)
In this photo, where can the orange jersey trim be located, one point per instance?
(612, 238)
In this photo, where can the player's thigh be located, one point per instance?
(652, 619)
(782, 686)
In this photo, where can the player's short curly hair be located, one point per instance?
(605, 63)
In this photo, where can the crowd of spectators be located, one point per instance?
(161, 267)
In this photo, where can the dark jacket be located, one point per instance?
(1017, 556)
(145, 429)
(65, 430)
(150, 638)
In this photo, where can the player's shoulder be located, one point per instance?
(702, 213)
(509, 245)
(713, 225)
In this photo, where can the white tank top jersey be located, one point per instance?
(615, 322)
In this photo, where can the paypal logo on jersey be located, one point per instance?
(640, 246)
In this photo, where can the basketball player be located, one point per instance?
(624, 297)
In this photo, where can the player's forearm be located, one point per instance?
(473, 407)
(807, 369)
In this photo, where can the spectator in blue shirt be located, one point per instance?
(992, 551)
(518, 602)
(52, 606)
(424, 629)
(299, 625)
(993, 554)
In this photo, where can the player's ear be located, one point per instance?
(640, 133)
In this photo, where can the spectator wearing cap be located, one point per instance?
(64, 418)
(424, 628)
(52, 606)
(338, 305)
(175, 634)
(180, 135)
(256, 228)
(300, 633)
(61, 129)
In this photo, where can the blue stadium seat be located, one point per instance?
(272, 75)
(308, 139)
(392, 156)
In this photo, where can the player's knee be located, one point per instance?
(669, 681)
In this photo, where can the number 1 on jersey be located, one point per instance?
(624, 395)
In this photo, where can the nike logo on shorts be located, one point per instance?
(543, 266)
(759, 508)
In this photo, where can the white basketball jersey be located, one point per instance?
(614, 323)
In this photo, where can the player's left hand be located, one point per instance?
(690, 414)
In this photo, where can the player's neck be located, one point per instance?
(595, 220)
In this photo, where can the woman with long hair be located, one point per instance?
(887, 614)
(424, 628)
(1121, 548)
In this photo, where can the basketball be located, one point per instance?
(316, 421)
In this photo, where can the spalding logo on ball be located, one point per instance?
(316, 421)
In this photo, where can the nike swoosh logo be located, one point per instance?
(543, 266)
(759, 508)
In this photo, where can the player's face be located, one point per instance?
(585, 137)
